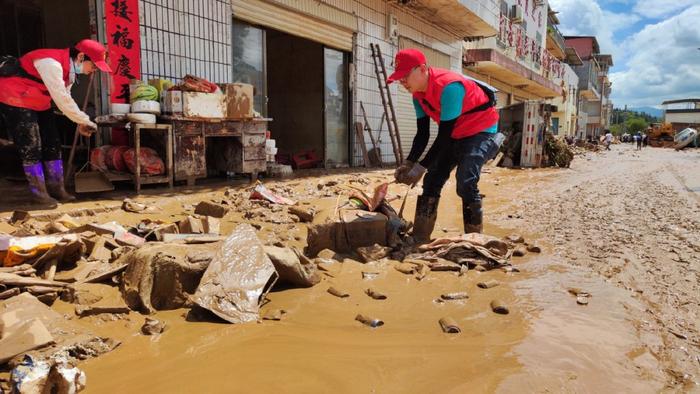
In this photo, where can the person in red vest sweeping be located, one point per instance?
(467, 137)
(34, 80)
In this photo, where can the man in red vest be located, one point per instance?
(25, 109)
(467, 138)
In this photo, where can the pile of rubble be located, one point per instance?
(157, 265)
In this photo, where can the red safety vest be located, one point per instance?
(30, 94)
(467, 124)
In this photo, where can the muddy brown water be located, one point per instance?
(547, 343)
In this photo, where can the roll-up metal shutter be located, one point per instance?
(303, 18)
(405, 112)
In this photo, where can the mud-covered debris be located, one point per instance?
(373, 253)
(232, 285)
(306, 215)
(19, 217)
(510, 269)
(375, 294)
(444, 265)
(211, 225)
(354, 229)
(488, 284)
(208, 208)
(274, 314)
(84, 311)
(534, 249)
(130, 205)
(327, 254)
(293, 268)
(460, 295)
(422, 272)
(191, 225)
(519, 251)
(260, 192)
(582, 300)
(152, 326)
(449, 325)
(33, 376)
(369, 275)
(499, 307)
(161, 276)
(21, 337)
(338, 293)
(515, 238)
(369, 321)
(406, 268)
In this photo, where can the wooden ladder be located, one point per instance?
(385, 93)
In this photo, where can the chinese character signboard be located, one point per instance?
(122, 20)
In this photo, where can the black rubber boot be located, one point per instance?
(35, 177)
(473, 217)
(424, 222)
(55, 184)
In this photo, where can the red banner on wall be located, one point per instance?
(124, 45)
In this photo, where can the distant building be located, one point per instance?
(682, 113)
(595, 107)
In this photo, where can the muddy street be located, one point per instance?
(604, 299)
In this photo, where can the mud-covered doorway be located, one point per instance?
(295, 90)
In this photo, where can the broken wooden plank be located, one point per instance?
(21, 281)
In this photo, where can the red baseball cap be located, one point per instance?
(406, 60)
(96, 52)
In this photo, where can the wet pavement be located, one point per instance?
(620, 225)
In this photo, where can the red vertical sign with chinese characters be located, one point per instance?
(124, 46)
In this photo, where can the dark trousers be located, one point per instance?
(34, 133)
(468, 155)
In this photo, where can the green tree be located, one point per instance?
(616, 129)
(635, 124)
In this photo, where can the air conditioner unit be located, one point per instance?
(516, 14)
(539, 2)
(392, 29)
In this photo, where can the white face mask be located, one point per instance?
(78, 68)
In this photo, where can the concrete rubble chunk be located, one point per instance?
(208, 208)
(190, 225)
(236, 277)
(22, 337)
(291, 268)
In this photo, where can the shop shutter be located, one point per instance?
(303, 18)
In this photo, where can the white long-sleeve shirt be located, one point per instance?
(51, 74)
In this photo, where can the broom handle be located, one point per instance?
(71, 156)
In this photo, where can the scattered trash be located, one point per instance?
(499, 307)
(449, 326)
(275, 314)
(375, 294)
(153, 326)
(534, 249)
(260, 192)
(54, 376)
(369, 321)
(488, 284)
(520, 251)
(338, 293)
(369, 275)
(233, 284)
(454, 296)
(130, 205)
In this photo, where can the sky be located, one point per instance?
(654, 43)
